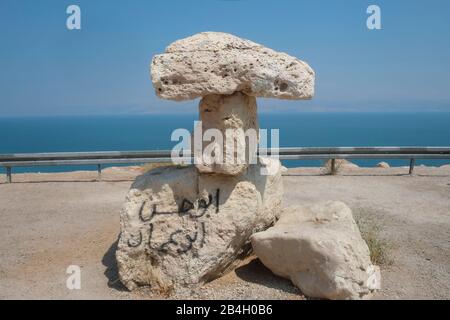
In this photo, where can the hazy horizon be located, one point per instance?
(103, 69)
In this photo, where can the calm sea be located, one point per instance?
(145, 132)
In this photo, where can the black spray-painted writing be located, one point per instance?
(186, 207)
(179, 241)
(184, 244)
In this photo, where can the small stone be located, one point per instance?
(383, 165)
(342, 163)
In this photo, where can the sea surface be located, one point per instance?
(147, 132)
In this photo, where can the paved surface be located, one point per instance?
(51, 221)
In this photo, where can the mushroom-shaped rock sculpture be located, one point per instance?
(181, 225)
(228, 73)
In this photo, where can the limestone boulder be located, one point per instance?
(320, 249)
(235, 118)
(182, 228)
(220, 63)
(383, 165)
(342, 164)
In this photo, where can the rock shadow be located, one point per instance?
(112, 272)
(255, 272)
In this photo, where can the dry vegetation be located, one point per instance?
(370, 231)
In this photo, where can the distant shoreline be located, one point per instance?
(280, 111)
(148, 132)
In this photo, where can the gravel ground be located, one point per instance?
(51, 221)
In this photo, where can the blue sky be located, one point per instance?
(47, 69)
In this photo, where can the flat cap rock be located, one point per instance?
(220, 63)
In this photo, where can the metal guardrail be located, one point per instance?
(157, 156)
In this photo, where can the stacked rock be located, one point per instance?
(185, 225)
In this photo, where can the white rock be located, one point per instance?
(383, 165)
(220, 63)
(320, 249)
(342, 163)
(233, 115)
(179, 228)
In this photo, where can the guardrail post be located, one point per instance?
(99, 171)
(333, 167)
(411, 165)
(8, 175)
